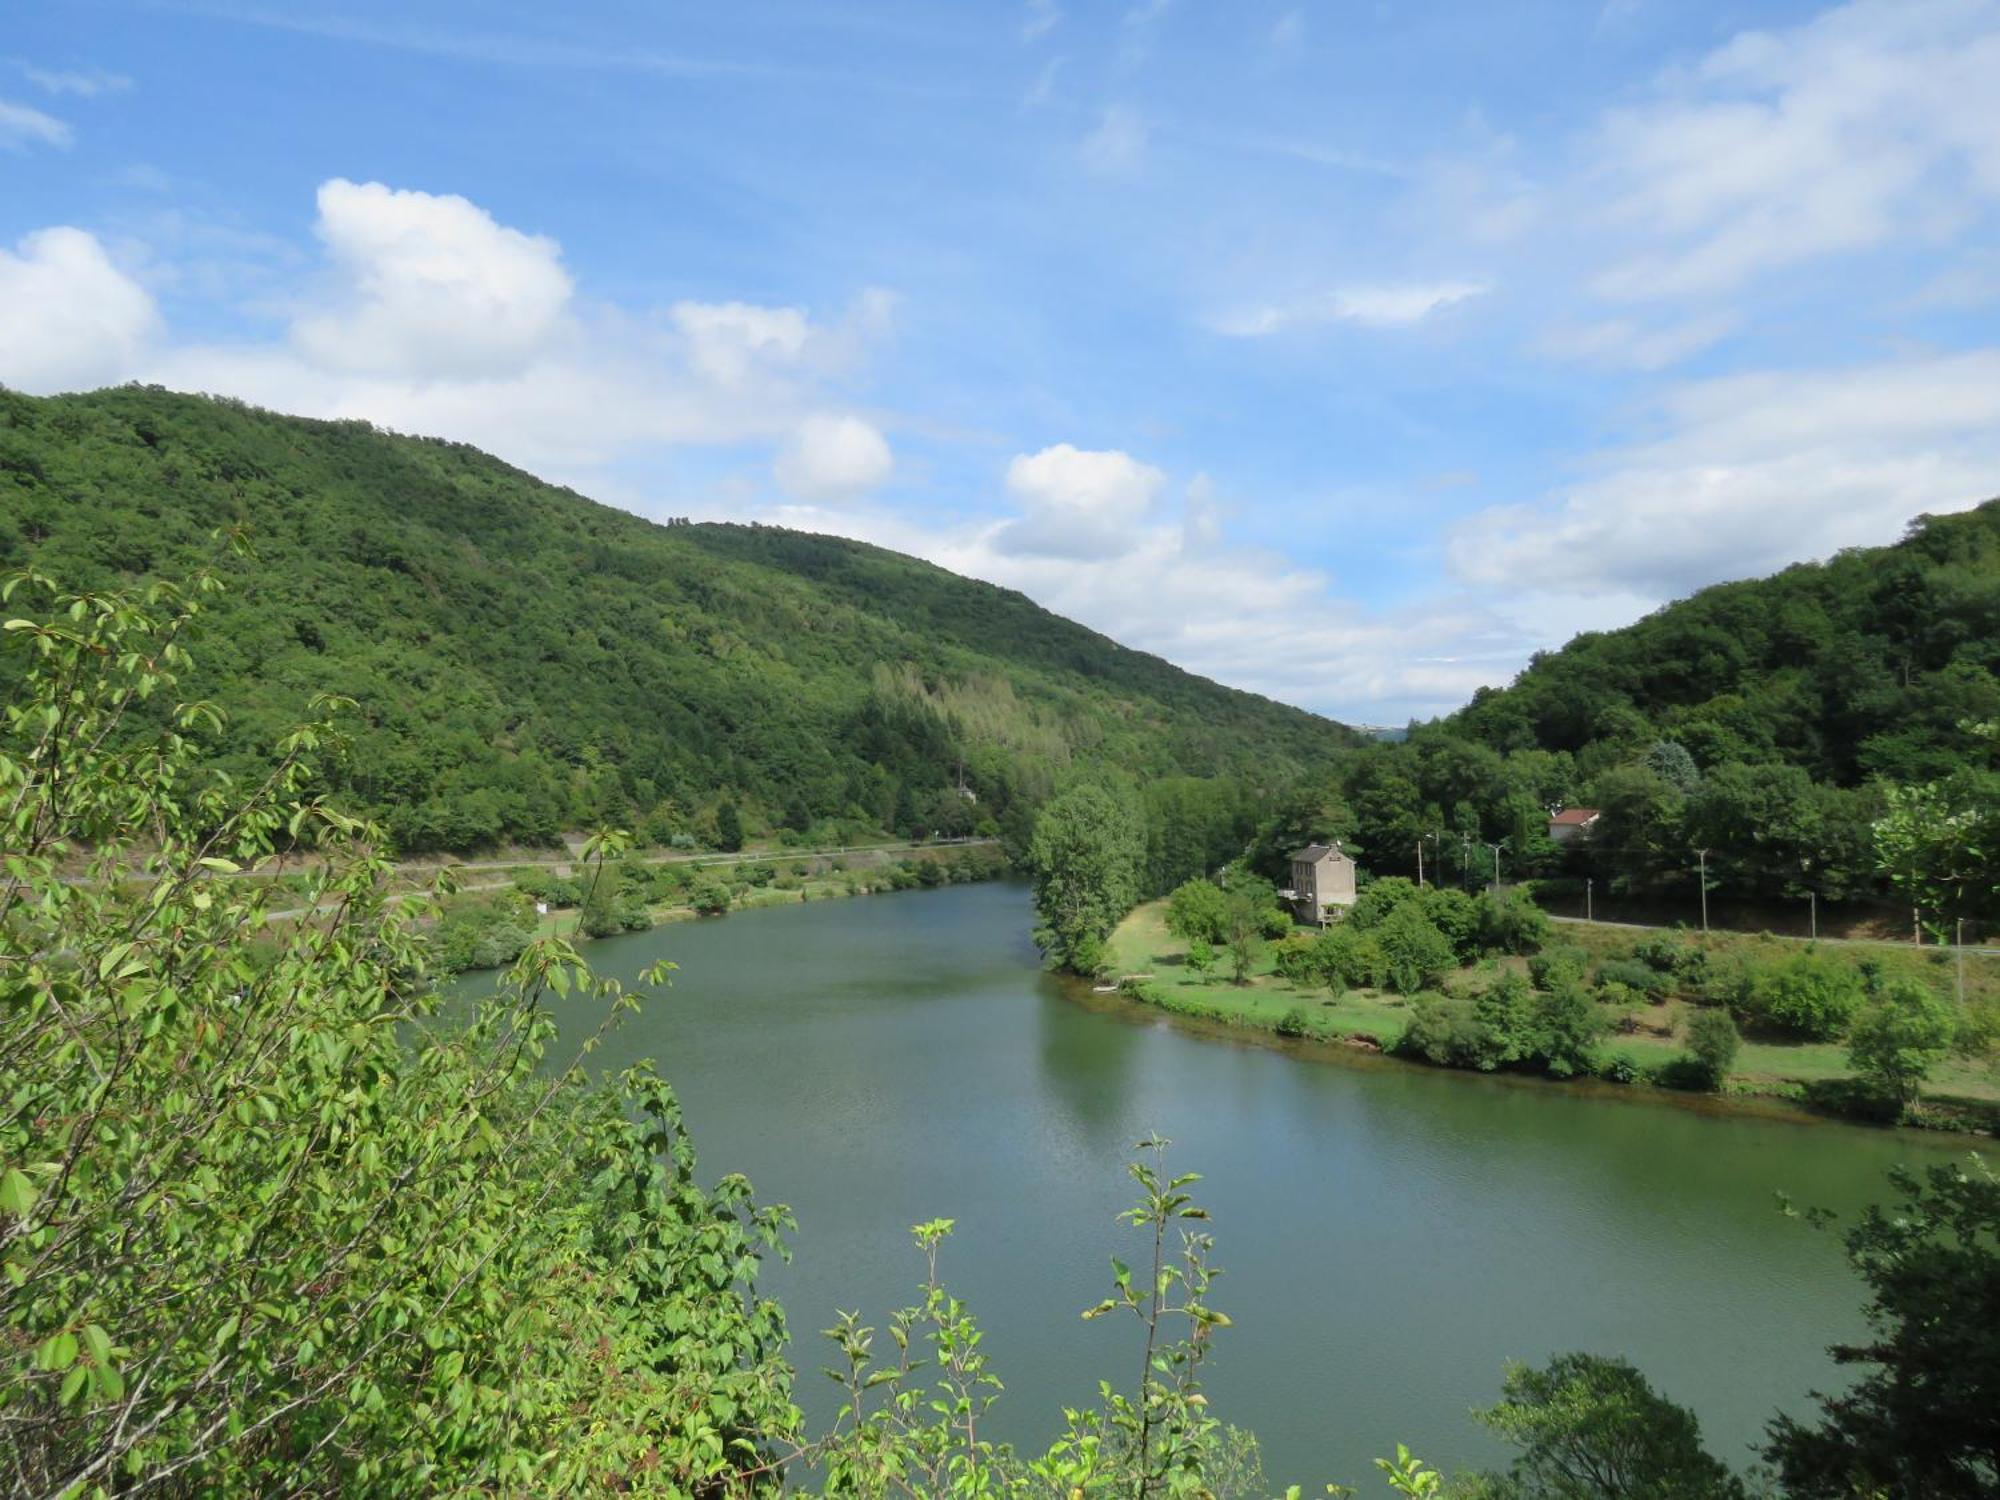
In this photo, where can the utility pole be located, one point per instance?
(1959, 933)
(1465, 860)
(1420, 864)
(1702, 855)
(1588, 914)
(1813, 897)
(1496, 867)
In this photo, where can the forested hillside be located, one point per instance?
(1872, 664)
(527, 661)
(1828, 732)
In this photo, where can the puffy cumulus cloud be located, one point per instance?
(430, 286)
(22, 126)
(1077, 503)
(832, 457)
(1748, 468)
(429, 316)
(1871, 122)
(73, 319)
(1396, 306)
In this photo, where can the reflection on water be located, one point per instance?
(1391, 1235)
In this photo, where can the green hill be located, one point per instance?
(1867, 665)
(527, 661)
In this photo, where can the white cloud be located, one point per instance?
(728, 340)
(833, 457)
(1042, 18)
(430, 286)
(1626, 344)
(1118, 143)
(1751, 472)
(1872, 122)
(1077, 503)
(85, 82)
(22, 127)
(1389, 306)
(73, 318)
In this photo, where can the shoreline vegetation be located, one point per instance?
(488, 927)
(1644, 1019)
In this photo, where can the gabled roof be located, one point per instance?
(1312, 854)
(1575, 817)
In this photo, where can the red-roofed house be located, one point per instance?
(1567, 823)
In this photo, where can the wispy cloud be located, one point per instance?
(1391, 306)
(1118, 143)
(1042, 18)
(84, 82)
(22, 126)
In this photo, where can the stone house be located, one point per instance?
(1322, 878)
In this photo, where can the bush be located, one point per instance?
(1379, 899)
(1512, 923)
(1415, 955)
(1899, 1036)
(1295, 1022)
(1712, 1044)
(1446, 1033)
(1558, 966)
(1636, 977)
(1457, 916)
(1353, 958)
(1811, 996)
(1567, 1029)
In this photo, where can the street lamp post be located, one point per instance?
(1589, 914)
(1813, 897)
(1496, 867)
(1465, 859)
(1420, 864)
(1702, 855)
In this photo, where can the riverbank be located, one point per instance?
(1963, 1093)
(487, 926)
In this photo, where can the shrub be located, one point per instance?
(1512, 923)
(1811, 996)
(1712, 1044)
(1899, 1036)
(1506, 1016)
(1446, 1033)
(1567, 1029)
(1415, 955)
(1558, 966)
(1635, 977)
(1457, 916)
(1295, 1022)
(1379, 899)
(1353, 958)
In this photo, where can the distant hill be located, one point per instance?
(527, 660)
(1863, 666)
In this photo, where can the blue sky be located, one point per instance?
(1349, 352)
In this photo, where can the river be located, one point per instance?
(1391, 1235)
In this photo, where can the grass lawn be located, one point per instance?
(1143, 948)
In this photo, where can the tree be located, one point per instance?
(601, 916)
(1415, 955)
(1712, 1044)
(1925, 1419)
(1899, 1036)
(1085, 860)
(271, 1221)
(1940, 845)
(1592, 1428)
(1243, 932)
(728, 828)
(1567, 1029)
(1198, 909)
(1200, 957)
(1511, 923)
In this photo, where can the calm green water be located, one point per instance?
(1391, 1235)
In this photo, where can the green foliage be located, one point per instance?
(1295, 1022)
(1556, 967)
(1447, 1034)
(1085, 860)
(526, 662)
(1632, 976)
(268, 1224)
(729, 827)
(1567, 1028)
(1511, 923)
(1812, 995)
(1924, 1416)
(1198, 909)
(1505, 1012)
(1712, 1044)
(1592, 1428)
(1415, 955)
(1899, 1036)
(1939, 844)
